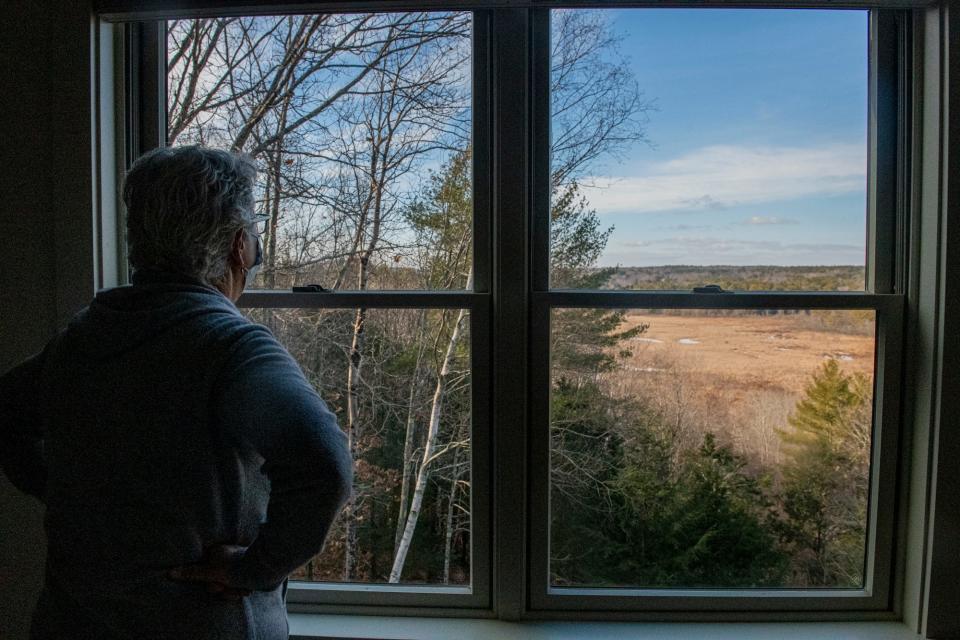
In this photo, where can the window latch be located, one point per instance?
(710, 288)
(311, 288)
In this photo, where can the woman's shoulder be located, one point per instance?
(198, 316)
(228, 323)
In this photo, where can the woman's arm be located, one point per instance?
(267, 402)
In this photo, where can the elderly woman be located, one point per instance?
(186, 464)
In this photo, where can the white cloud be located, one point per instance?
(686, 227)
(764, 220)
(723, 176)
(706, 250)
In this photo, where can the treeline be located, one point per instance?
(752, 278)
(739, 278)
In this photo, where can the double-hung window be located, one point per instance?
(608, 300)
(714, 419)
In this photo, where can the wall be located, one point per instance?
(943, 566)
(45, 232)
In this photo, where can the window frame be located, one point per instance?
(874, 597)
(890, 91)
(146, 113)
(512, 299)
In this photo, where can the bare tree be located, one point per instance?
(597, 109)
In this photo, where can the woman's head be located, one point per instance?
(185, 206)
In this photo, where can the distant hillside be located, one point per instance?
(754, 278)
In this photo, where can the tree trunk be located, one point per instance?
(429, 449)
(270, 259)
(353, 373)
(448, 538)
(409, 464)
(353, 428)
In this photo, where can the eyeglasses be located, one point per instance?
(259, 224)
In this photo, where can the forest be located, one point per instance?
(740, 278)
(361, 127)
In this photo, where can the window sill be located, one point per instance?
(304, 626)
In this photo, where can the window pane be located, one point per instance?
(399, 382)
(710, 449)
(360, 127)
(709, 146)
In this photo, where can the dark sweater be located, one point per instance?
(161, 422)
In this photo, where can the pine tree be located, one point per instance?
(582, 340)
(824, 479)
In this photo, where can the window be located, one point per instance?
(511, 219)
(683, 284)
(363, 128)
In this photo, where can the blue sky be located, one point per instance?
(757, 149)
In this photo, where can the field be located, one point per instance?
(747, 352)
(737, 376)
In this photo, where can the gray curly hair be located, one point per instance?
(184, 205)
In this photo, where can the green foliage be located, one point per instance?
(582, 339)
(442, 217)
(717, 532)
(825, 476)
(699, 524)
(576, 241)
(827, 415)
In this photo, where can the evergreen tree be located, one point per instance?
(701, 525)
(582, 340)
(825, 478)
(442, 218)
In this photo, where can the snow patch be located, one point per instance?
(845, 357)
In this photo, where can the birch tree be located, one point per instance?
(431, 450)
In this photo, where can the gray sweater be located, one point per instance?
(161, 422)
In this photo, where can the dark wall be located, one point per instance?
(943, 590)
(45, 232)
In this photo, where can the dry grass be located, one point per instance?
(738, 376)
(747, 352)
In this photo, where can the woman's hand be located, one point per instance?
(214, 571)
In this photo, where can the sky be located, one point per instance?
(757, 150)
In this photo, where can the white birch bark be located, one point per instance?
(409, 464)
(451, 505)
(429, 449)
